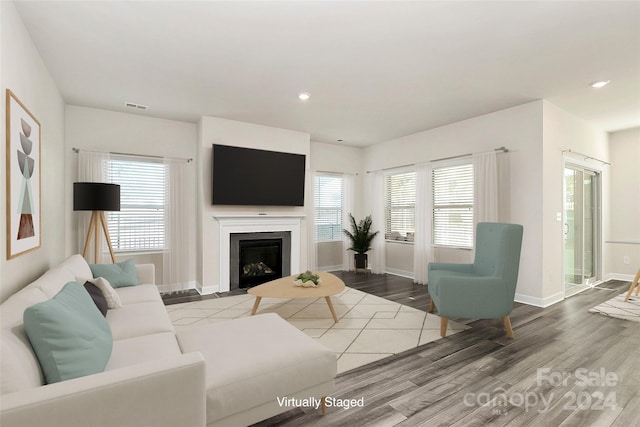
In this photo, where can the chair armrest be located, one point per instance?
(458, 268)
(165, 392)
(473, 297)
(146, 274)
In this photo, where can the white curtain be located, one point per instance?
(176, 271)
(485, 176)
(348, 203)
(378, 262)
(312, 240)
(423, 247)
(91, 168)
(485, 194)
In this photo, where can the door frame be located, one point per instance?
(599, 245)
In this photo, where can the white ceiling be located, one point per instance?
(375, 70)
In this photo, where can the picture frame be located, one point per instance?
(23, 179)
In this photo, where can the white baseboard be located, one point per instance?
(539, 302)
(207, 290)
(330, 268)
(401, 273)
(167, 288)
(553, 299)
(618, 276)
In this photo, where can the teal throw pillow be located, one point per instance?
(69, 335)
(118, 275)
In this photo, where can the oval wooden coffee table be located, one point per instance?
(284, 288)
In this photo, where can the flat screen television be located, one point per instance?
(251, 177)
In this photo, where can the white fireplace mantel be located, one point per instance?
(230, 224)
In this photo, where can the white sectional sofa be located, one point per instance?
(154, 377)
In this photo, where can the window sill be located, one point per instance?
(136, 253)
(402, 242)
(452, 247)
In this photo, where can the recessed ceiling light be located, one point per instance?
(304, 96)
(339, 140)
(600, 84)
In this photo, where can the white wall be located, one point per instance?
(23, 71)
(563, 131)
(520, 130)
(109, 131)
(624, 229)
(214, 130)
(336, 158)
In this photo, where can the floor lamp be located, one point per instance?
(96, 197)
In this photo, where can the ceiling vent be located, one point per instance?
(136, 106)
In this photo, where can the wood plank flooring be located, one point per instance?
(480, 377)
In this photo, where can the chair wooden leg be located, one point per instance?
(634, 284)
(324, 405)
(443, 326)
(432, 306)
(507, 326)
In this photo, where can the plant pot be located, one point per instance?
(360, 261)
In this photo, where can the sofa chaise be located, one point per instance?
(223, 374)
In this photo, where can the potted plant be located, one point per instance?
(307, 280)
(361, 238)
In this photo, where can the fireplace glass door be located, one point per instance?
(260, 261)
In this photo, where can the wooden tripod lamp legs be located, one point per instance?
(634, 284)
(97, 222)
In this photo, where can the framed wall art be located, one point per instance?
(23, 178)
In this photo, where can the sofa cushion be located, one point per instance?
(19, 366)
(52, 281)
(97, 296)
(76, 265)
(140, 293)
(110, 294)
(68, 334)
(262, 358)
(134, 320)
(143, 349)
(119, 274)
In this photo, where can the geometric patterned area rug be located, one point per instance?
(618, 308)
(370, 328)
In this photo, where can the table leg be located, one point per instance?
(333, 312)
(255, 305)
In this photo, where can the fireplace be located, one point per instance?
(231, 224)
(256, 258)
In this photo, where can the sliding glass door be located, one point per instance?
(581, 227)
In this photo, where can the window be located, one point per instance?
(140, 223)
(453, 206)
(328, 207)
(400, 202)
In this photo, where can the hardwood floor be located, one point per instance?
(566, 367)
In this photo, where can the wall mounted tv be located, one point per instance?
(250, 177)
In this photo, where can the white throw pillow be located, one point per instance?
(112, 297)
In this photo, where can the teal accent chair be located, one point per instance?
(484, 289)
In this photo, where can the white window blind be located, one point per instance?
(400, 202)
(140, 223)
(453, 206)
(328, 207)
